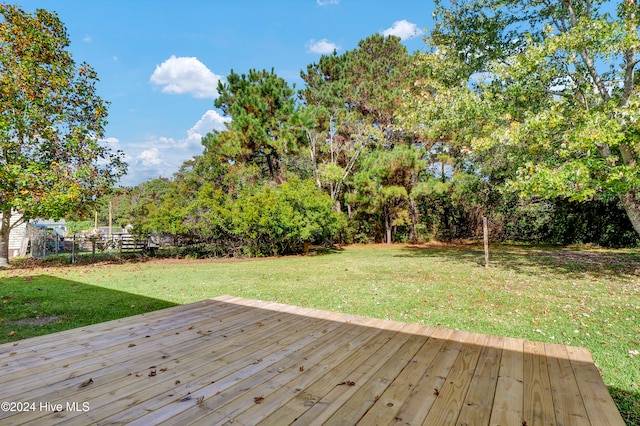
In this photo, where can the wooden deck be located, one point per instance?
(239, 361)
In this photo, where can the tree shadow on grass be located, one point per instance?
(530, 259)
(628, 403)
(42, 304)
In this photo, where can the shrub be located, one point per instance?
(276, 220)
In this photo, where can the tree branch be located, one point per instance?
(587, 59)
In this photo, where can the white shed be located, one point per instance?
(18, 238)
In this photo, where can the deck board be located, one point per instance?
(240, 361)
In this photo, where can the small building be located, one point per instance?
(18, 238)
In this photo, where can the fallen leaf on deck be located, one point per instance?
(258, 399)
(85, 383)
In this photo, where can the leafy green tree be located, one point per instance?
(264, 126)
(134, 206)
(351, 101)
(562, 92)
(384, 186)
(442, 107)
(51, 158)
(276, 220)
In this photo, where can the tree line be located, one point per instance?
(523, 112)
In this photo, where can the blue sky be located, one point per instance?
(159, 60)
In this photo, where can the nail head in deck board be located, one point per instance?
(234, 351)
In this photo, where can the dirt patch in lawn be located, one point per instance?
(43, 320)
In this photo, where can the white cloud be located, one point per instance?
(322, 47)
(111, 143)
(403, 29)
(327, 2)
(161, 156)
(178, 75)
(211, 120)
(149, 158)
(87, 39)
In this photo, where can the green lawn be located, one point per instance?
(578, 297)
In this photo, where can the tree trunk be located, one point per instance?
(632, 207)
(415, 217)
(5, 230)
(387, 225)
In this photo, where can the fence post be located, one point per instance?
(485, 229)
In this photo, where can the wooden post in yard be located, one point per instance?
(485, 229)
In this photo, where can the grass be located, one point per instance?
(574, 296)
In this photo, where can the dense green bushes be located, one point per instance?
(280, 219)
(262, 219)
(384, 146)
